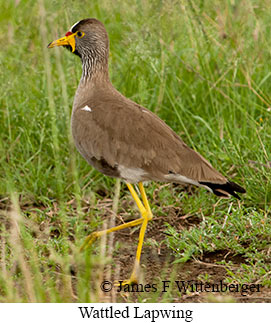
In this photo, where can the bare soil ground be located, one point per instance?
(157, 266)
(157, 262)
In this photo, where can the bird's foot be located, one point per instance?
(89, 240)
(133, 280)
(121, 284)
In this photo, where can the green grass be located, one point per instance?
(203, 68)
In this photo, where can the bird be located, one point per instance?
(125, 140)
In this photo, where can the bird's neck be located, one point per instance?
(94, 68)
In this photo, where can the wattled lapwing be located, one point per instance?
(122, 139)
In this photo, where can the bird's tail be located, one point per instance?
(225, 190)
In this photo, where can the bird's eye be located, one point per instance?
(80, 34)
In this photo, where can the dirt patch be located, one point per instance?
(157, 267)
(219, 255)
(157, 263)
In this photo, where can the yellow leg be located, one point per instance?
(146, 215)
(136, 198)
(95, 235)
(145, 200)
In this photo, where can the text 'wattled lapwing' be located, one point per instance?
(122, 139)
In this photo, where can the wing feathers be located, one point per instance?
(122, 132)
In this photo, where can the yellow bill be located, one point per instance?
(69, 39)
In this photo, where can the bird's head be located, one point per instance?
(87, 39)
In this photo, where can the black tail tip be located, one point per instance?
(236, 187)
(225, 190)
